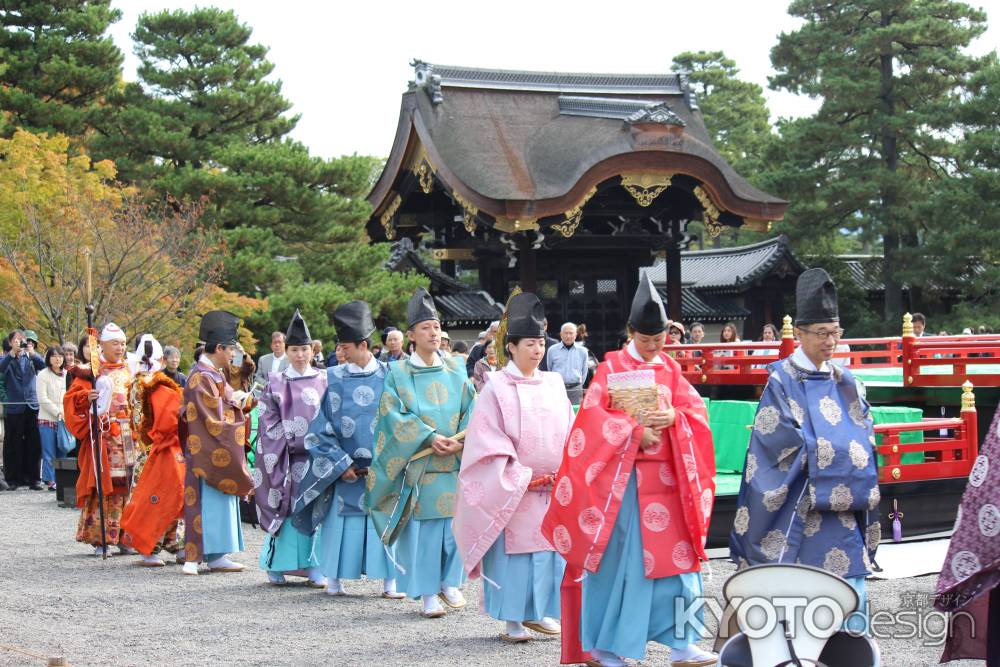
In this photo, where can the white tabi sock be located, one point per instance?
(190, 567)
(431, 604)
(152, 560)
(453, 595)
(515, 629)
(607, 658)
(223, 563)
(316, 576)
(389, 586)
(689, 652)
(334, 587)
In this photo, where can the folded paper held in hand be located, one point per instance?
(634, 392)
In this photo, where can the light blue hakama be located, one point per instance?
(427, 551)
(289, 551)
(350, 547)
(529, 583)
(621, 608)
(222, 532)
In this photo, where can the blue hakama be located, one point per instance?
(529, 583)
(222, 532)
(621, 608)
(426, 550)
(289, 551)
(350, 547)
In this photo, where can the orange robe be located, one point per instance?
(78, 416)
(157, 501)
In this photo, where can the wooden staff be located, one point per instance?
(95, 423)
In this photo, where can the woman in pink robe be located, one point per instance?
(513, 448)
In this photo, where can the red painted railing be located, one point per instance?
(951, 456)
(938, 361)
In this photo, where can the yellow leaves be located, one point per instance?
(38, 173)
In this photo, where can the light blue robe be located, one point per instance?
(220, 519)
(622, 610)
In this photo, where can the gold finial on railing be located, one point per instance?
(908, 326)
(786, 327)
(968, 398)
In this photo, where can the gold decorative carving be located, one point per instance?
(469, 212)
(968, 398)
(574, 216)
(896, 473)
(386, 219)
(420, 166)
(454, 254)
(711, 212)
(511, 226)
(644, 188)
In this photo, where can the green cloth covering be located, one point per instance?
(896, 414)
(253, 437)
(729, 421)
(727, 484)
(730, 435)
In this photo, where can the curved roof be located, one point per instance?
(726, 269)
(532, 144)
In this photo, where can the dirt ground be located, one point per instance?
(57, 599)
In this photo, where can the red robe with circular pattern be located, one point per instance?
(675, 483)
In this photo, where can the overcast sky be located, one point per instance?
(344, 64)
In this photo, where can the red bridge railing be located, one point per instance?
(938, 361)
(949, 456)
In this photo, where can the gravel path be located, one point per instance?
(56, 599)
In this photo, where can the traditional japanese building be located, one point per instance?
(750, 285)
(563, 183)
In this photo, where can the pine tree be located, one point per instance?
(891, 75)
(56, 64)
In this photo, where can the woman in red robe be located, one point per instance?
(631, 505)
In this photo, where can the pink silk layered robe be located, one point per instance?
(515, 436)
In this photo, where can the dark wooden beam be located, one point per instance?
(674, 272)
(527, 263)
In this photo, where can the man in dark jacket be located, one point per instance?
(22, 451)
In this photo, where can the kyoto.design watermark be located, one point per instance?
(820, 616)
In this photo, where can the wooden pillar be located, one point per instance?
(527, 264)
(673, 258)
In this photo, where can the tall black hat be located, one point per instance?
(815, 298)
(353, 322)
(648, 316)
(421, 308)
(219, 327)
(298, 331)
(525, 316)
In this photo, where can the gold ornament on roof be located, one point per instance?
(574, 216)
(422, 170)
(511, 226)
(386, 219)
(645, 188)
(711, 212)
(469, 212)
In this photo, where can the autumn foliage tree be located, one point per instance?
(154, 267)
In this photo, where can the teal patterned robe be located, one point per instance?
(417, 404)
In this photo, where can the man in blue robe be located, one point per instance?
(340, 443)
(810, 490)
